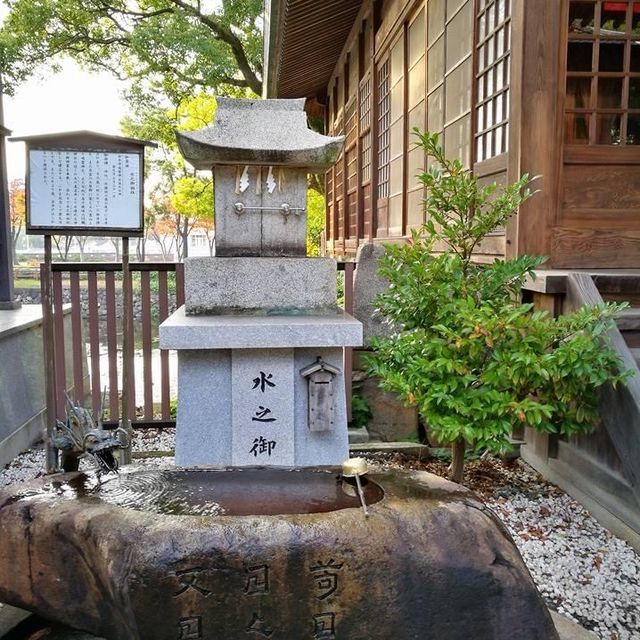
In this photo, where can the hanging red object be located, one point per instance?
(620, 6)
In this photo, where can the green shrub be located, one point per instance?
(475, 361)
(360, 412)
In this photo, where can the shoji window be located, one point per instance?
(492, 78)
(384, 123)
(397, 136)
(416, 99)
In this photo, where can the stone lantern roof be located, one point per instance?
(259, 132)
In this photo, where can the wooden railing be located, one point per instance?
(158, 288)
(91, 329)
(601, 469)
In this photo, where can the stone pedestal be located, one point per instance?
(242, 398)
(235, 283)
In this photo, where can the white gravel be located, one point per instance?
(582, 570)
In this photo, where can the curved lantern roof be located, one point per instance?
(259, 132)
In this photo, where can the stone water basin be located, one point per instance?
(254, 553)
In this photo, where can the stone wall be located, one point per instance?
(22, 388)
(32, 296)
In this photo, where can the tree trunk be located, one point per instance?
(457, 460)
(185, 238)
(14, 243)
(316, 182)
(141, 249)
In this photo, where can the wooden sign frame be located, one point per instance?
(85, 141)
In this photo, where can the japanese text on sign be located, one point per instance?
(84, 189)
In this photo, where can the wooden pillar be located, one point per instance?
(51, 454)
(7, 300)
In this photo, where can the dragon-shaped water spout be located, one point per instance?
(80, 436)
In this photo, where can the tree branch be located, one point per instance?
(227, 36)
(141, 15)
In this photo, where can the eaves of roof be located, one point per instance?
(303, 42)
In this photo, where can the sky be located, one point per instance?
(68, 101)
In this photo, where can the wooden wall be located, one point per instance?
(490, 77)
(406, 65)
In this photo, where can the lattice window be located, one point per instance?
(352, 169)
(365, 128)
(366, 157)
(351, 128)
(602, 100)
(338, 177)
(384, 122)
(492, 78)
(365, 103)
(328, 177)
(351, 124)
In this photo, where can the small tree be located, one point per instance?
(16, 213)
(475, 361)
(315, 221)
(63, 246)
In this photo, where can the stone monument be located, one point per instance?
(260, 340)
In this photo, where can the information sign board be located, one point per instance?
(81, 191)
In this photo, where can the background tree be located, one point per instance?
(192, 202)
(183, 196)
(63, 246)
(17, 211)
(475, 361)
(207, 229)
(162, 227)
(171, 46)
(82, 243)
(315, 221)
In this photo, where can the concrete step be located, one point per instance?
(569, 630)
(409, 448)
(10, 618)
(358, 436)
(635, 352)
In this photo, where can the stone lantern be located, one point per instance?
(260, 315)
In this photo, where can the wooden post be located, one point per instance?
(349, 268)
(127, 346)
(51, 455)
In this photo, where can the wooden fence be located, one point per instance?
(158, 287)
(600, 469)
